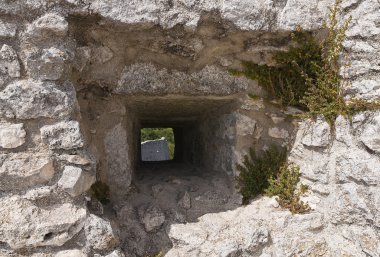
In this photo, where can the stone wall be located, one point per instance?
(77, 78)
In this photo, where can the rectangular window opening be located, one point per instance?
(157, 144)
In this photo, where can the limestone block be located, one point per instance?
(50, 24)
(7, 29)
(314, 165)
(21, 170)
(75, 181)
(9, 64)
(370, 135)
(146, 79)
(49, 64)
(316, 133)
(99, 233)
(77, 159)
(367, 88)
(12, 135)
(118, 160)
(116, 253)
(155, 150)
(25, 225)
(152, 217)
(230, 233)
(246, 15)
(70, 253)
(245, 125)
(278, 133)
(28, 99)
(359, 166)
(63, 135)
(348, 205)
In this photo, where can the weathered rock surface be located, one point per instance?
(46, 64)
(12, 135)
(25, 225)
(7, 29)
(278, 133)
(185, 201)
(75, 181)
(63, 135)
(21, 170)
(152, 217)
(50, 24)
(370, 135)
(246, 15)
(116, 147)
(70, 253)
(146, 79)
(225, 234)
(99, 233)
(116, 253)
(9, 65)
(28, 99)
(316, 133)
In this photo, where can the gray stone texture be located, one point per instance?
(12, 135)
(29, 99)
(62, 135)
(23, 170)
(99, 233)
(115, 50)
(26, 225)
(75, 181)
(9, 64)
(155, 150)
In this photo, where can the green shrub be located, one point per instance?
(285, 187)
(256, 170)
(286, 81)
(308, 74)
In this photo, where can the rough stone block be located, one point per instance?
(152, 217)
(146, 79)
(99, 233)
(219, 235)
(118, 159)
(63, 135)
(278, 133)
(29, 99)
(50, 24)
(48, 64)
(21, 170)
(12, 135)
(316, 133)
(70, 253)
(9, 64)
(25, 225)
(75, 181)
(370, 135)
(7, 29)
(359, 166)
(155, 150)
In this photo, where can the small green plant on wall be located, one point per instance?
(308, 74)
(255, 171)
(285, 187)
(269, 174)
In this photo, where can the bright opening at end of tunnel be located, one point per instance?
(157, 144)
